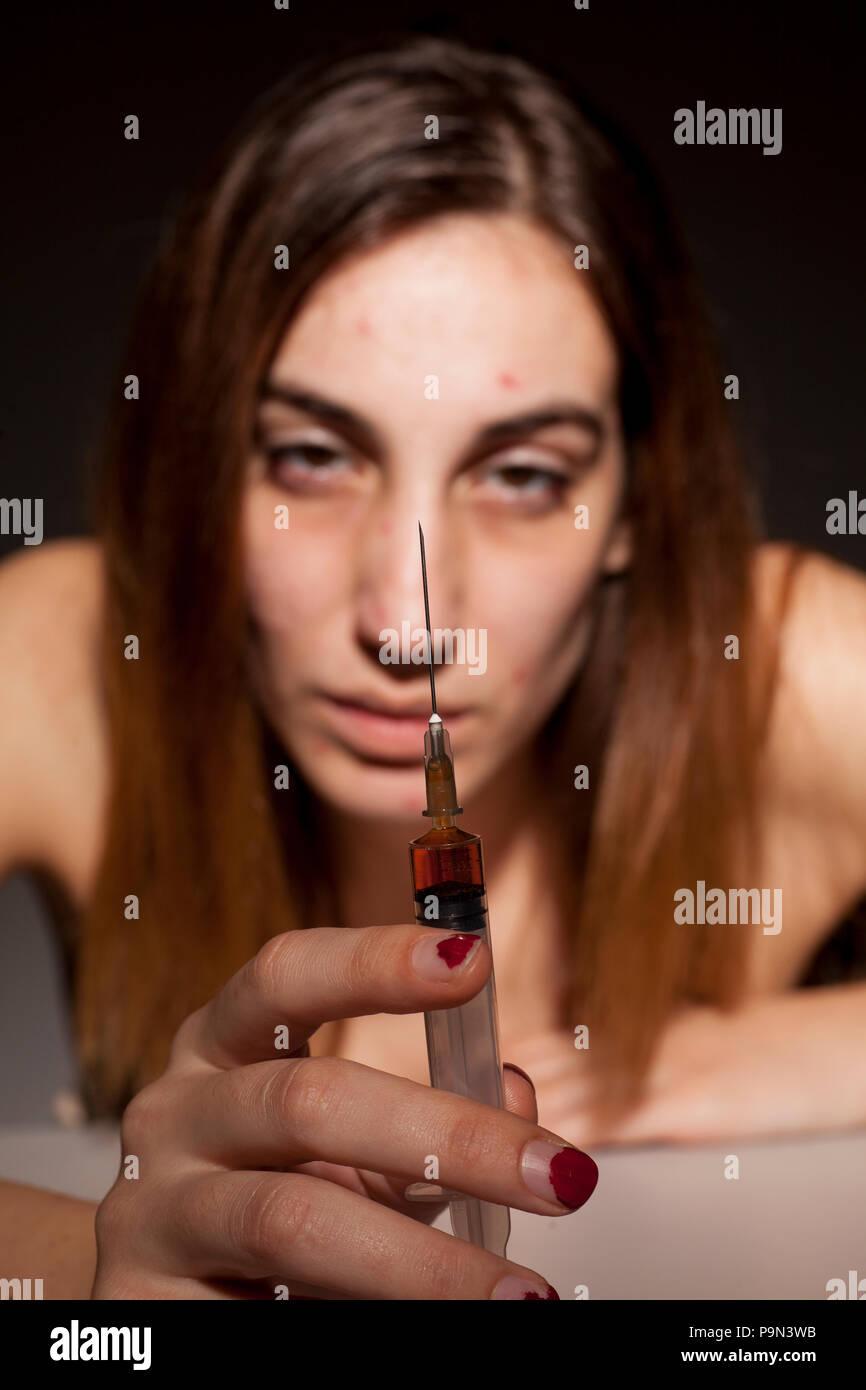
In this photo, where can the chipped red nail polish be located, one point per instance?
(573, 1175)
(558, 1173)
(437, 959)
(455, 949)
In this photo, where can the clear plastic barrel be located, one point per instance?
(462, 1042)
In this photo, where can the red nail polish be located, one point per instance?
(454, 949)
(573, 1176)
(551, 1293)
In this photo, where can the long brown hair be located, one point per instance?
(330, 163)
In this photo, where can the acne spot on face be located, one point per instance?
(520, 675)
(387, 526)
(507, 381)
(379, 617)
(364, 327)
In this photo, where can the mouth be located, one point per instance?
(385, 733)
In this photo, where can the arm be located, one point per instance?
(46, 620)
(53, 766)
(48, 1237)
(782, 1064)
(790, 1060)
(786, 1063)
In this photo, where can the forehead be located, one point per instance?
(486, 304)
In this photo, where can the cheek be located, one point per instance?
(536, 615)
(288, 587)
(543, 605)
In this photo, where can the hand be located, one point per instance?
(714, 1075)
(769, 1067)
(561, 1075)
(258, 1170)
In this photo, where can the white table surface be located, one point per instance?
(663, 1223)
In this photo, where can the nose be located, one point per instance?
(389, 586)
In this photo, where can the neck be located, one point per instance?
(371, 858)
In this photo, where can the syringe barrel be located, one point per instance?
(462, 1042)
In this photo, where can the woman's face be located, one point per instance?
(460, 376)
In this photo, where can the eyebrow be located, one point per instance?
(497, 432)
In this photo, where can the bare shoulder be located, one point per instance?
(822, 591)
(818, 730)
(51, 737)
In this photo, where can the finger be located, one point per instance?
(260, 1290)
(279, 1114)
(165, 1287)
(388, 1191)
(551, 1054)
(302, 979)
(520, 1099)
(298, 1229)
(426, 1199)
(519, 1092)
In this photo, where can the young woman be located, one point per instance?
(420, 283)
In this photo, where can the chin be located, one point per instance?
(369, 790)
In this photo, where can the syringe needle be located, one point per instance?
(427, 618)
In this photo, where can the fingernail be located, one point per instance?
(514, 1286)
(558, 1173)
(430, 1192)
(520, 1072)
(442, 957)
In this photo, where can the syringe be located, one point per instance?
(462, 1042)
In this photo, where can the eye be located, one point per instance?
(524, 484)
(305, 461)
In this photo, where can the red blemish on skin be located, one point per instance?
(520, 675)
(508, 381)
(387, 527)
(454, 949)
(364, 326)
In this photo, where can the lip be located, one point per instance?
(376, 730)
